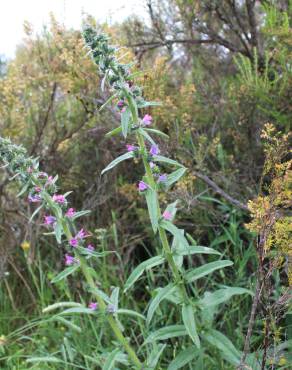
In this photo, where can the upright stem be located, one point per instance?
(162, 234)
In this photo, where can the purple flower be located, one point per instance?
(73, 242)
(162, 178)
(49, 220)
(154, 150)
(90, 247)
(69, 260)
(123, 109)
(70, 212)
(147, 120)
(59, 198)
(38, 189)
(131, 148)
(34, 198)
(142, 186)
(120, 104)
(167, 215)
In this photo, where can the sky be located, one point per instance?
(15, 12)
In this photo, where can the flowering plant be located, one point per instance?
(194, 313)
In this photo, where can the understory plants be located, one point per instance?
(182, 334)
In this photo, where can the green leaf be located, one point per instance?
(58, 232)
(167, 332)
(172, 208)
(108, 101)
(204, 270)
(147, 136)
(68, 323)
(176, 232)
(44, 359)
(123, 311)
(225, 346)
(61, 305)
(78, 310)
(114, 132)
(125, 121)
(157, 132)
(221, 295)
(152, 204)
(138, 271)
(190, 324)
(195, 249)
(115, 297)
(101, 294)
(183, 358)
(116, 161)
(160, 158)
(174, 176)
(162, 294)
(145, 104)
(23, 190)
(155, 355)
(80, 214)
(68, 271)
(111, 359)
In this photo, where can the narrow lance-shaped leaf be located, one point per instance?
(174, 176)
(138, 271)
(221, 295)
(190, 324)
(147, 136)
(183, 358)
(111, 359)
(116, 161)
(152, 204)
(125, 121)
(206, 269)
(157, 132)
(225, 346)
(161, 295)
(154, 356)
(162, 159)
(167, 332)
(68, 271)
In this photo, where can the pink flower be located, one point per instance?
(70, 213)
(69, 260)
(131, 148)
(142, 186)
(34, 198)
(93, 306)
(123, 110)
(73, 242)
(38, 189)
(49, 181)
(42, 175)
(59, 198)
(147, 120)
(167, 215)
(154, 150)
(81, 234)
(49, 220)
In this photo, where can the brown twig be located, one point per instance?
(219, 191)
